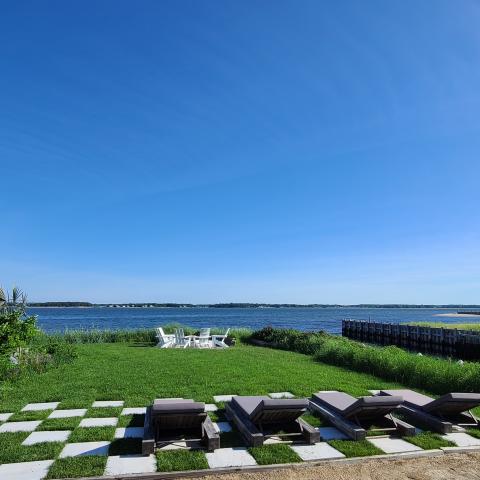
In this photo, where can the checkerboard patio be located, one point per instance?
(132, 462)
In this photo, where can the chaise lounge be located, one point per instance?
(441, 414)
(354, 416)
(261, 417)
(177, 419)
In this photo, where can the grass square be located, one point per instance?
(273, 454)
(429, 441)
(74, 467)
(351, 448)
(92, 434)
(59, 424)
(76, 402)
(314, 420)
(178, 460)
(135, 420)
(29, 415)
(125, 446)
(12, 450)
(103, 412)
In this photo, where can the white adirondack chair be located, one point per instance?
(164, 340)
(219, 340)
(203, 340)
(180, 340)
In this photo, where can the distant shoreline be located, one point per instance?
(259, 306)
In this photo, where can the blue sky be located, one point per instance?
(274, 151)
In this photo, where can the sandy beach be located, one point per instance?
(445, 467)
(457, 315)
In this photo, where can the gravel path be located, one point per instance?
(445, 467)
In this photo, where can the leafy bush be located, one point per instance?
(16, 329)
(23, 348)
(437, 375)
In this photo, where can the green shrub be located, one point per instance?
(16, 331)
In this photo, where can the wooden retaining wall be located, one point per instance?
(464, 344)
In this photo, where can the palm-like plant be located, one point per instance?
(16, 301)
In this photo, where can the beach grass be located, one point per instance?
(459, 326)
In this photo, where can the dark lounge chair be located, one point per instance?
(354, 416)
(441, 414)
(261, 417)
(172, 420)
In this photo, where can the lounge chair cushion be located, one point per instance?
(254, 407)
(453, 403)
(363, 407)
(338, 401)
(178, 407)
(409, 397)
(248, 404)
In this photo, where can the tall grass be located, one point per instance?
(141, 335)
(437, 375)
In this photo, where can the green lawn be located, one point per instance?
(138, 374)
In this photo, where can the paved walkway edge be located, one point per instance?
(282, 466)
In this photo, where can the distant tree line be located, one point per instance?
(243, 305)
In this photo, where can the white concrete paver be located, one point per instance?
(47, 436)
(25, 471)
(230, 457)
(462, 439)
(12, 427)
(222, 398)
(319, 451)
(126, 464)
(5, 416)
(129, 432)
(74, 412)
(134, 411)
(85, 448)
(108, 403)
(210, 407)
(393, 445)
(99, 422)
(281, 395)
(33, 407)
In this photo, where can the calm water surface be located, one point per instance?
(328, 319)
